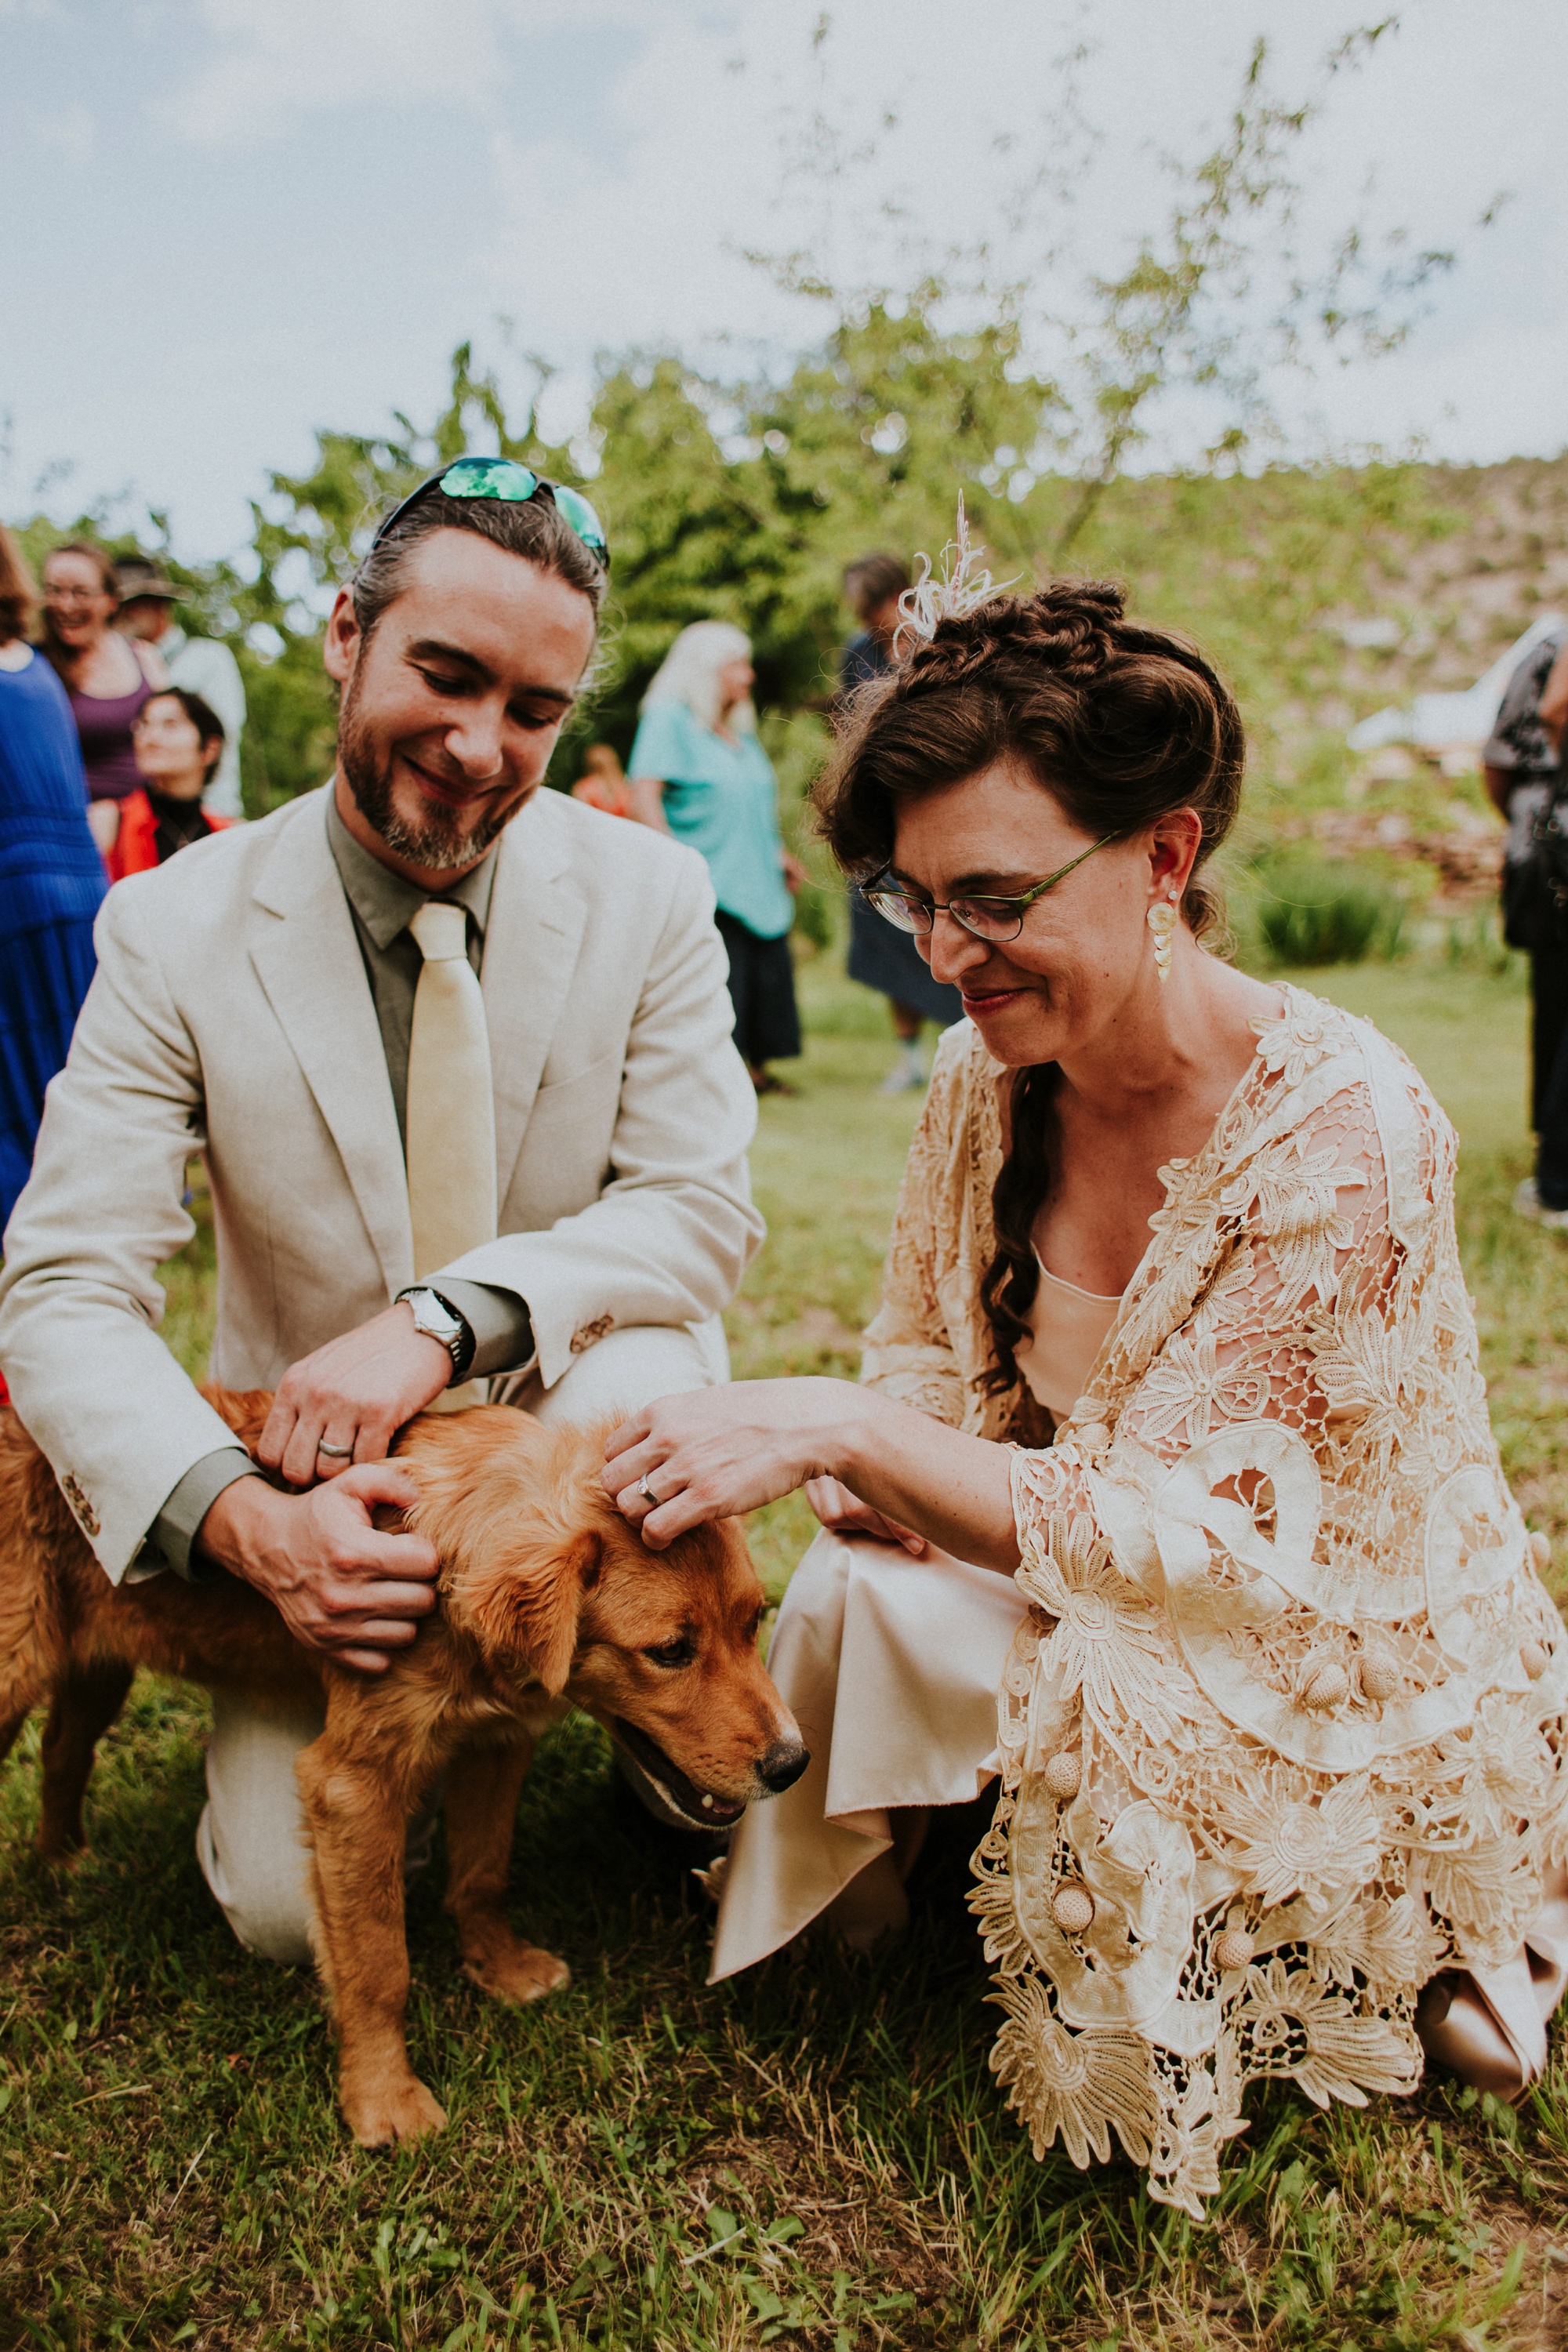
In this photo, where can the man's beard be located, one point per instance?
(441, 844)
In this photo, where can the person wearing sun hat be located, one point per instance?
(202, 665)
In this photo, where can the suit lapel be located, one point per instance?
(531, 942)
(309, 964)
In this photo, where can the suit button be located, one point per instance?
(81, 1509)
(587, 1334)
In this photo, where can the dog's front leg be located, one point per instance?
(358, 1820)
(482, 1788)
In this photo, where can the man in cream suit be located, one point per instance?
(456, 1054)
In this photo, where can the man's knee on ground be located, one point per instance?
(263, 1893)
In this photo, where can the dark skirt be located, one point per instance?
(762, 989)
(888, 961)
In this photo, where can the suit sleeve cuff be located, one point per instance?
(175, 1530)
(500, 1321)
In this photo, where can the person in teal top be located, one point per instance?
(699, 771)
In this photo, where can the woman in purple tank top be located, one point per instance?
(107, 676)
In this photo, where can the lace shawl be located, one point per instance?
(1282, 1732)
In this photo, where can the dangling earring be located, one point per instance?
(1161, 919)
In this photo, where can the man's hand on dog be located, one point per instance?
(341, 1587)
(353, 1395)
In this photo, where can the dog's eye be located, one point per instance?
(673, 1653)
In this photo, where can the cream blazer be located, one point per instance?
(231, 1017)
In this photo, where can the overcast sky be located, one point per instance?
(232, 221)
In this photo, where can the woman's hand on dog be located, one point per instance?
(716, 1452)
(878, 1466)
(355, 1393)
(343, 1587)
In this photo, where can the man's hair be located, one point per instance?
(18, 594)
(533, 530)
(870, 579)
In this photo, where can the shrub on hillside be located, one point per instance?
(1317, 913)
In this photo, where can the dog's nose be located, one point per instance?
(782, 1765)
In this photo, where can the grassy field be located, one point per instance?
(814, 2155)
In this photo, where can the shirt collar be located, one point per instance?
(386, 902)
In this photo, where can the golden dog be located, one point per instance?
(548, 1598)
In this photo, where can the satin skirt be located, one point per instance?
(891, 1668)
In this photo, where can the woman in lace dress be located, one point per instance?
(1172, 1439)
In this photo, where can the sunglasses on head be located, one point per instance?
(514, 485)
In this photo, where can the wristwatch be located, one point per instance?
(433, 1315)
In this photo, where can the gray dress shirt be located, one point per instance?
(382, 904)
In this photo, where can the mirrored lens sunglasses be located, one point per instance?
(514, 485)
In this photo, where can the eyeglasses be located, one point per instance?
(997, 919)
(514, 484)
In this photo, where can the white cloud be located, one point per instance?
(593, 168)
(933, 135)
(273, 60)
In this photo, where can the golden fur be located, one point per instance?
(548, 1598)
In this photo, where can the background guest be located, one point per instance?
(51, 878)
(202, 665)
(699, 771)
(108, 677)
(178, 740)
(1522, 769)
(881, 957)
(603, 783)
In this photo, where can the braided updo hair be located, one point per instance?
(1120, 723)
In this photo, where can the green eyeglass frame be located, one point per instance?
(997, 921)
(514, 485)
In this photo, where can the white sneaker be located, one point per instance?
(904, 1078)
(1527, 1203)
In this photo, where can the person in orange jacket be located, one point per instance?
(177, 741)
(603, 783)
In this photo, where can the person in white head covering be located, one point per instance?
(698, 771)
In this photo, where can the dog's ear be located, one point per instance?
(531, 1612)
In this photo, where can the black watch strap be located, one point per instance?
(464, 1345)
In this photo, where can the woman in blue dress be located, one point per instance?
(51, 877)
(699, 771)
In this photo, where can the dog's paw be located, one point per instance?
(520, 1974)
(392, 2111)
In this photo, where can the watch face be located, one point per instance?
(433, 1318)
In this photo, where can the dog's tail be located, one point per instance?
(36, 1530)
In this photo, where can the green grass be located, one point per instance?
(814, 2154)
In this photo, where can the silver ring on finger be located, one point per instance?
(335, 1453)
(646, 1491)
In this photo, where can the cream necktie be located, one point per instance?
(450, 1118)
